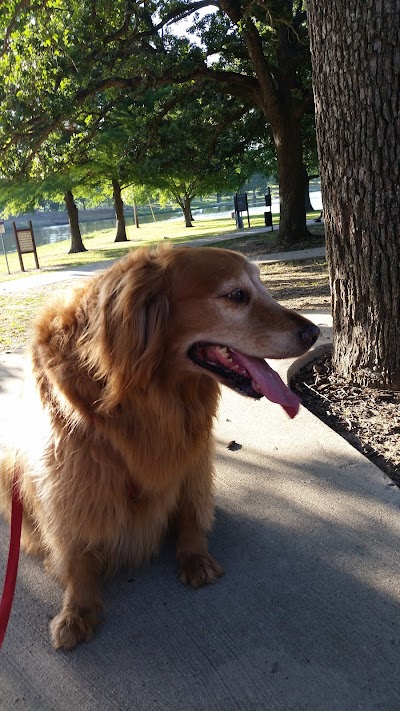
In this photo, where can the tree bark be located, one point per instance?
(357, 86)
(184, 203)
(292, 221)
(119, 213)
(135, 214)
(76, 237)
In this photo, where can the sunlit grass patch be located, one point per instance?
(18, 312)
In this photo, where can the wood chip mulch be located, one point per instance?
(369, 419)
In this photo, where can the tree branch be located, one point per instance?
(242, 85)
(263, 71)
(130, 11)
(180, 13)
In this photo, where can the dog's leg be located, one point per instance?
(196, 567)
(82, 605)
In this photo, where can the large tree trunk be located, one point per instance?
(135, 214)
(119, 213)
(356, 84)
(292, 222)
(76, 237)
(184, 203)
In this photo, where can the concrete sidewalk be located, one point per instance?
(306, 617)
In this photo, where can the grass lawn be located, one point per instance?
(18, 312)
(101, 245)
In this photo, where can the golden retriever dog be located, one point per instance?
(126, 376)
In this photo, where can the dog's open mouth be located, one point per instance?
(246, 374)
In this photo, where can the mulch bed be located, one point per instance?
(369, 419)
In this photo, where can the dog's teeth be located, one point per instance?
(223, 351)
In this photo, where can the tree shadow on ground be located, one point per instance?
(306, 615)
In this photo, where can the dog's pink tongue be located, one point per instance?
(267, 381)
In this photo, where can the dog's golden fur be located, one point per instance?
(119, 435)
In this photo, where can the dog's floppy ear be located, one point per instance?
(127, 344)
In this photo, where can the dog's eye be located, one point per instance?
(238, 295)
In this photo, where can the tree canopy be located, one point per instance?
(201, 146)
(64, 65)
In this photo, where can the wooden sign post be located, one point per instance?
(25, 241)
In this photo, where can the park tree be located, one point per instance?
(267, 42)
(42, 141)
(73, 217)
(137, 195)
(127, 132)
(54, 60)
(26, 195)
(355, 52)
(202, 145)
(104, 159)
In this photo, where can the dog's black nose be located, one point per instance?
(309, 335)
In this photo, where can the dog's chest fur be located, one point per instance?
(113, 484)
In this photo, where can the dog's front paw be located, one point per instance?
(72, 626)
(197, 569)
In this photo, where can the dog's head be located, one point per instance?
(169, 313)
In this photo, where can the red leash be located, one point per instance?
(13, 557)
